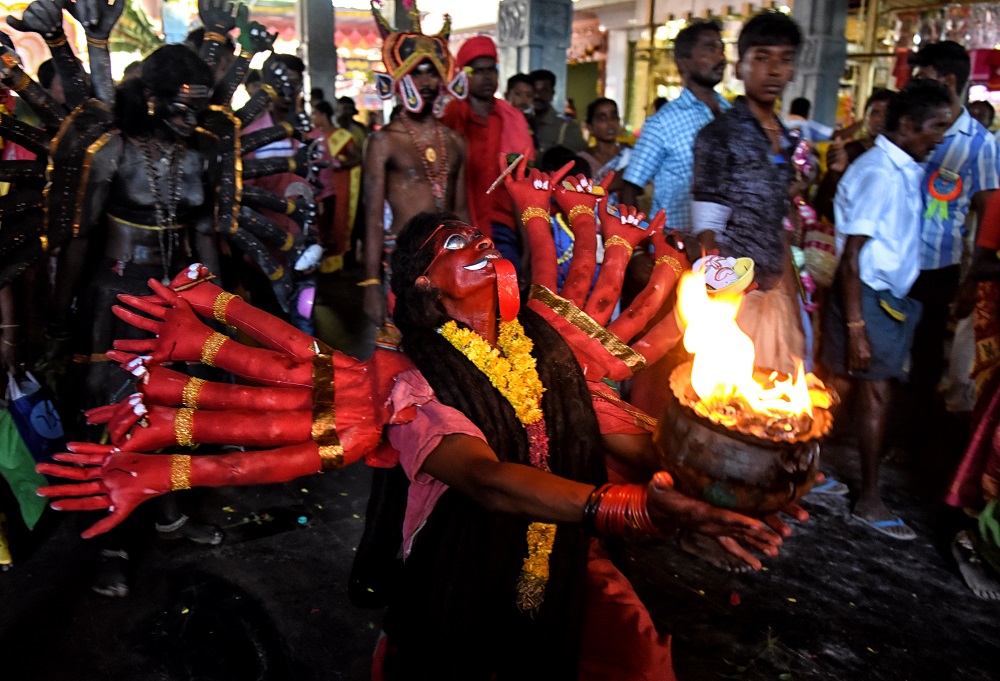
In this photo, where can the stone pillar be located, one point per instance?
(534, 34)
(314, 24)
(822, 58)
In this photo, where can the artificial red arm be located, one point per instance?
(210, 301)
(622, 233)
(120, 481)
(182, 337)
(532, 195)
(578, 205)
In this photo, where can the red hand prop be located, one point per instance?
(579, 209)
(622, 232)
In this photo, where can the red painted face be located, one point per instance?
(464, 269)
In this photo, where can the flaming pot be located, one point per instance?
(730, 469)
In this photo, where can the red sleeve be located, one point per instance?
(989, 224)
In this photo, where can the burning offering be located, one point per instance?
(736, 435)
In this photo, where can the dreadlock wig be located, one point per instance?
(455, 615)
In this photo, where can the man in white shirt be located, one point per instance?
(870, 321)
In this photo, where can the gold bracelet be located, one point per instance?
(370, 282)
(292, 165)
(180, 472)
(211, 348)
(191, 392)
(675, 264)
(23, 81)
(332, 457)
(270, 91)
(219, 306)
(246, 54)
(287, 127)
(57, 41)
(289, 242)
(618, 241)
(859, 324)
(578, 210)
(97, 42)
(215, 36)
(184, 427)
(289, 207)
(277, 274)
(534, 212)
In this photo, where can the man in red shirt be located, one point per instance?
(490, 126)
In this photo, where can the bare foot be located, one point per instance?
(977, 576)
(708, 549)
(875, 515)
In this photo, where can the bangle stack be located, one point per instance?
(210, 350)
(180, 472)
(618, 510)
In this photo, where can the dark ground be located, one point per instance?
(841, 603)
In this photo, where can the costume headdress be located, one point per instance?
(403, 51)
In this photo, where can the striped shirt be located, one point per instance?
(969, 151)
(665, 153)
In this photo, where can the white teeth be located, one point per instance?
(492, 256)
(476, 265)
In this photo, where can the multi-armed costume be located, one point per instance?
(151, 173)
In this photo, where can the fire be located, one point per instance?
(723, 375)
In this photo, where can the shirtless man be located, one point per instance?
(416, 164)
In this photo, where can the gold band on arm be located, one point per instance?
(287, 127)
(370, 282)
(180, 472)
(210, 350)
(215, 36)
(578, 210)
(56, 40)
(618, 241)
(534, 212)
(674, 263)
(219, 306)
(191, 392)
(98, 43)
(292, 165)
(184, 427)
(22, 82)
(289, 207)
(270, 91)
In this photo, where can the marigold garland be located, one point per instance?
(514, 374)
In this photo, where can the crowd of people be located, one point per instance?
(485, 229)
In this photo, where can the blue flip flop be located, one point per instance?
(830, 486)
(884, 526)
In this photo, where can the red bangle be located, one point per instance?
(622, 511)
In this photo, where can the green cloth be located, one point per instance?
(17, 466)
(988, 537)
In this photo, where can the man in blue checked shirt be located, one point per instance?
(665, 149)
(958, 177)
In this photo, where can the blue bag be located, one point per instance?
(35, 417)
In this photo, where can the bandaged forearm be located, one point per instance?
(709, 217)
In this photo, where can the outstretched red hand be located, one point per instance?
(532, 189)
(111, 479)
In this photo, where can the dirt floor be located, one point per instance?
(841, 603)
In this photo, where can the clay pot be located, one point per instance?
(731, 470)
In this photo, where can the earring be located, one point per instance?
(150, 108)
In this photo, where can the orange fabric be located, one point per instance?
(619, 639)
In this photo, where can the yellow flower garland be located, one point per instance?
(513, 373)
(515, 376)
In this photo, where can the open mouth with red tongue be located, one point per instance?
(508, 293)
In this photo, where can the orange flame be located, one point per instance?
(723, 369)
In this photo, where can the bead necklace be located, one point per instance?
(435, 163)
(165, 211)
